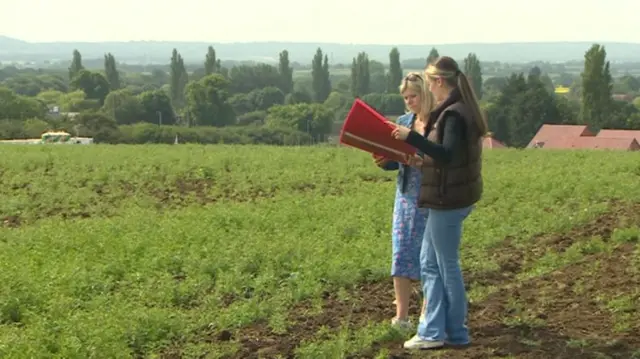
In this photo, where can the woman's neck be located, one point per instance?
(445, 96)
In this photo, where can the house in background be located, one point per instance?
(555, 134)
(622, 97)
(619, 134)
(490, 143)
(594, 143)
(579, 137)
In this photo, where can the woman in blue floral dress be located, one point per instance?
(409, 221)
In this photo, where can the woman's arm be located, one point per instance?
(385, 164)
(391, 166)
(440, 153)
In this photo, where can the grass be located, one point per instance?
(140, 251)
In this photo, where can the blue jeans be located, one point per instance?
(441, 276)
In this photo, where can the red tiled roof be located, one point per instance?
(622, 97)
(619, 134)
(551, 132)
(490, 142)
(589, 142)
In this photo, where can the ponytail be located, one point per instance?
(470, 99)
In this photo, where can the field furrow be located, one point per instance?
(584, 304)
(492, 319)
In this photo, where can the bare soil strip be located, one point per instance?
(558, 322)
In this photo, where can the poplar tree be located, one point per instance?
(394, 77)
(76, 64)
(111, 72)
(596, 100)
(473, 71)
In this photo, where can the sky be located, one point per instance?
(342, 21)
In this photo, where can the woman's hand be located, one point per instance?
(400, 132)
(414, 160)
(380, 161)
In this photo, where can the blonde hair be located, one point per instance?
(447, 69)
(414, 81)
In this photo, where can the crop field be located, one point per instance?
(262, 252)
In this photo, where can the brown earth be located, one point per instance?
(11, 221)
(558, 316)
(182, 192)
(366, 302)
(554, 321)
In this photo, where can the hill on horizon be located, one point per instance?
(147, 52)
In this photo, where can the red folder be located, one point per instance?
(369, 131)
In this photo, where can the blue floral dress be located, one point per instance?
(409, 223)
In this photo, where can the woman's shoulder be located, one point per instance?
(405, 119)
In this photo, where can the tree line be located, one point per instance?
(279, 105)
